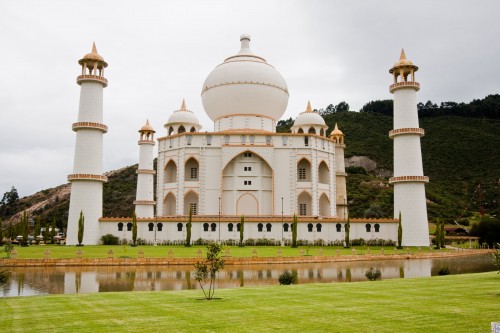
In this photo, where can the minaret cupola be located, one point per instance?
(182, 120)
(403, 73)
(337, 135)
(147, 132)
(92, 67)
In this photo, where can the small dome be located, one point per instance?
(93, 56)
(403, 62)
(309, 117)
(183, 116)
(336, 131)
(147, 127)
(244, 84)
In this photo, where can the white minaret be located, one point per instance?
(340, 174)
(144, 203)
(409, 180)
(87, 177)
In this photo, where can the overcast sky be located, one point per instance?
(161, 51)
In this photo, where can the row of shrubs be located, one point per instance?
(113, 240)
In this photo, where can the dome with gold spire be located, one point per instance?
(308, 119)
(182, 119)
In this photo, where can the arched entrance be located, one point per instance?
(247, 205)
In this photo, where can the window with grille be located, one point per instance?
(302, 173)
(194, 208)
(247, 154)
(247, 168)
(194, 173)
(303, 209)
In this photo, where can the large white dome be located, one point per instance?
(244, 84)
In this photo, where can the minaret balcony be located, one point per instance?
(409, 179)
(145, 202)
(91, 125)
(87, 176)
(404, 131)
(405, 84)
(145, 171)
(146, 142)
(100, 79)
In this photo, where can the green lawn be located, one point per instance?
(101, 251)
(458, 303)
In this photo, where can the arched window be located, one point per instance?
(159, 226)
(169, 205)
(300, 130)
(311, 130)
(151, 226)
(120, 226)
(304, 171)
(181, 129)
(323, 173)
(129, 226)
(230, 227)
(170, 172)
(368, 227)
(285, 227)
(310, 227)
(304, 203)
(191, 203)
(377, 227)
(191, 170)
(170, 130)
(238, 227)
(205, 226)
(259, 227)
(324, 205)
(179, 226)
(318, 227)
(213, 226)
(338, 226)
(268, 227)
(193, 129)
(321, 132)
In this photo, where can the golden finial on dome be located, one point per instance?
(308, 109)
(147, 127)
(403, 55)
(183, 106)
(336, 130)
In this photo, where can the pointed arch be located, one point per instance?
(304, 170)
(170, 130)
(193, 129)
(304, 202)
(300, 130)
(170, 172)
(322, 132)
(247, 205)
(324, 205)
(323, 173)
(181, 129)
(237, 181)
(169, 204)
(312, 130)
(191, 169)
(191, 203)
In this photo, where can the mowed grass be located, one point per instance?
(101, 251)
(458, 303)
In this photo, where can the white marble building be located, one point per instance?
(245, 168)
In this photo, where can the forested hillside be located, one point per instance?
(461, 149)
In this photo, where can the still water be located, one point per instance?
(30, 281)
